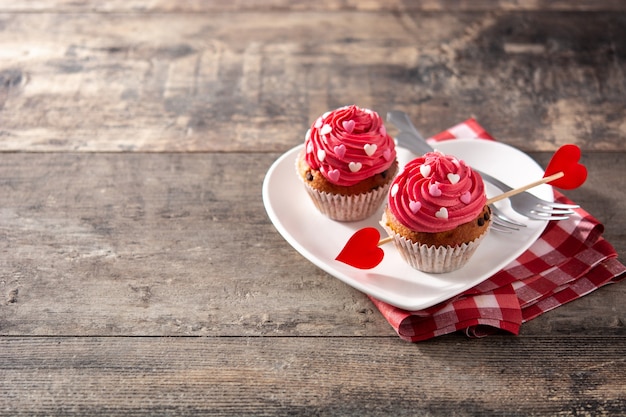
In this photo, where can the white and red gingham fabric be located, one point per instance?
(569, 260)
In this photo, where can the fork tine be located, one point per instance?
(561, 205)
(502, 219)
(501, 223)
(537, 216)
(501, 226)
(551, 211)
(496, 227)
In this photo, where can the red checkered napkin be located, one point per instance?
(570, 259)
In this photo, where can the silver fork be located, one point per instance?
(524, 203)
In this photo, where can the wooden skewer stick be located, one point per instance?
(525, 187)
(503, 196)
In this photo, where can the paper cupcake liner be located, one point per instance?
(433, 259)
(348, 208)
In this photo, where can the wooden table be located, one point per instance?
(139, 272)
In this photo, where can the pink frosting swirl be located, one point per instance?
(435, 193)
(348, 145)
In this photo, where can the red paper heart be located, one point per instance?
(362, 249)
(565, 160)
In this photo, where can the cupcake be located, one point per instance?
(437, 213)
(348, 163)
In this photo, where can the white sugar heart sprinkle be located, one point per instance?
(325, 115)
(425, 170)
(453, 178)
(309, 147)
(355, 166)
(415, 206)
(442, 213)
(370, 149)
(307, 136)
(321, 154)
(318, 123)
(394, 190)
(326, 129)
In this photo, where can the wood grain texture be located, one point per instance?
(204, 6)
(157, 245)
(179, 244)
(139, 273)
(312, 376)
(234, 82)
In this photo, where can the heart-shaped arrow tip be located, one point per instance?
(565, 160)
(362, 249)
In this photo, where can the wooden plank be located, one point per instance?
(255, 81)
(157, 244)
(176, 244)
(203, 6)
(563, 376)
